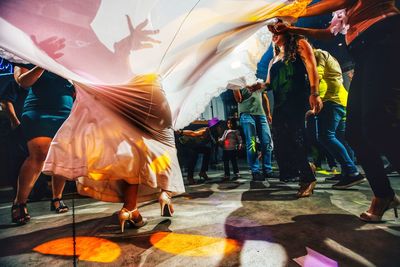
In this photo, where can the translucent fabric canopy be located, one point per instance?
(195, 46)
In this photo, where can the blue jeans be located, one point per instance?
(331, 121)
(257, 126)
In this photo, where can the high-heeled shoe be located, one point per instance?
(378, 207)
(306, 189)
(61, 206)
(167, 209)
(128, 216)
(19, 214)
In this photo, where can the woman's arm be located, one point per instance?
(320, 34)
(25, 77)
(238, 96)
(307, 55)
(267, 107)
(326, 6)
(196, 133)
(9, 107)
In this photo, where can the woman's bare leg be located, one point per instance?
(31, 168)
(57, 186)
(130, 196)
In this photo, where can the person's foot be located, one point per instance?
(257, 177)
(289, 179)
(271, 174)
(132, 217)
(306, 189)
(333, 170)
(349, 181)
(236, 176)
(58, 205)
(389, 169)
(191, 181)
(204, 175)
(167, 210)
(334, 179)
(225, 179)
(378, 207)
(19, 214)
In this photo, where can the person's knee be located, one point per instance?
(325, 141)
(38, 156)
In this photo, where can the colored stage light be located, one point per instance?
(193, 245)
(92, 249)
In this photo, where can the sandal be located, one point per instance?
(19, 214)
(61, 206)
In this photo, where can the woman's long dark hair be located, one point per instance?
(291, 46)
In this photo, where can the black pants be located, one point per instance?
(193, 155)
(291, 148)
(230, 155)
(373, 122)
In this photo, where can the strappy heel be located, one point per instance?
(165, 204)
(375, 213)
(61, 206)
(19, 214)
(126, 216)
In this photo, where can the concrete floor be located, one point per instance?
(216, 224)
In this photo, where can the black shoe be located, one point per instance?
(61, 206)
(289, 179)
(349, 181)
(204, 176)
(19, 214)
(336, 178)
(191, 181)
(257, 177)
(270, 175)
(236, 176)
(225, 179)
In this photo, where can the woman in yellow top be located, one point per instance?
(373, 111)
(331, 120)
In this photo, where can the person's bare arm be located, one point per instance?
(307, 55)
(25, 77)
(9, 107)
(326, 6)
(320, 34)
(267, 107)
(196, 133)
(238, 96)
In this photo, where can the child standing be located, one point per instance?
(231, 143)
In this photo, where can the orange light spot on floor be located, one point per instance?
(160, 163)
(193, 245)
(87, 248)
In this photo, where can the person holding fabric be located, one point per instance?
(293, 95)
(331, 120)
(373, 122)
(46, 107)
(253, 120)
